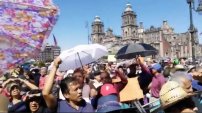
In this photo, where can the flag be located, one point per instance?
(87, 27)
(55, 41)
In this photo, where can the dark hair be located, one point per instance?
(120, 67)
(35, 91)
(186, 103)
(107, 78)
(110, 63)
(14, 86)
(26, 71)
(64, 84)
(39, 99)
(159, 71)
(78, 70)
(7, 76)
(167, 71)
(132, 68)
(102, 67)
(94, 73)
(36, 70)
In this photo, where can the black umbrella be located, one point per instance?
(132, 50)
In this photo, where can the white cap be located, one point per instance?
(68, 73)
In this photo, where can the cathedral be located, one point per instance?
(163, 38)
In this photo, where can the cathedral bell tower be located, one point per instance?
(129, 24)
(97, 30)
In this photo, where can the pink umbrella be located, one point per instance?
(24, 27)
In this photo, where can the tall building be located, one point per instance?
(129, 24)
(49, 53)
(163, 38)
(97, 30)
(169, 43)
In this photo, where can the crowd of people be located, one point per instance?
(96, 88)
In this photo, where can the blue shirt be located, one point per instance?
(64, 106)
(19, 107)
(195, 83)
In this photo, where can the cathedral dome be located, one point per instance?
(128, 7)
(97, 19)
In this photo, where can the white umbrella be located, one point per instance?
(81, 55)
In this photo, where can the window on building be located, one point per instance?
(126, 33)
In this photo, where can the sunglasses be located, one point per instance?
(36, 99)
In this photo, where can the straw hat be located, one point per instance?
(179, 67)
(171, 93)
(190, 67)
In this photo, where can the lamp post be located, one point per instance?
(191, 27)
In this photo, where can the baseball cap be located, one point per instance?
(156, 66)
(176, 61)
(69, 73)
(108, 89)
(168, 61)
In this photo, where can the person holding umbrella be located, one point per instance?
(157, 79)
(71, 90)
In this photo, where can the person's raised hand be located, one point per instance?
(12, 80)
(21, 80)
(57, 62)
(140, 59)
(197, 76)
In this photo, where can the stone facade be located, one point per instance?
(49, 53)
(164, 39)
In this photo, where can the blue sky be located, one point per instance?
(70, 28)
